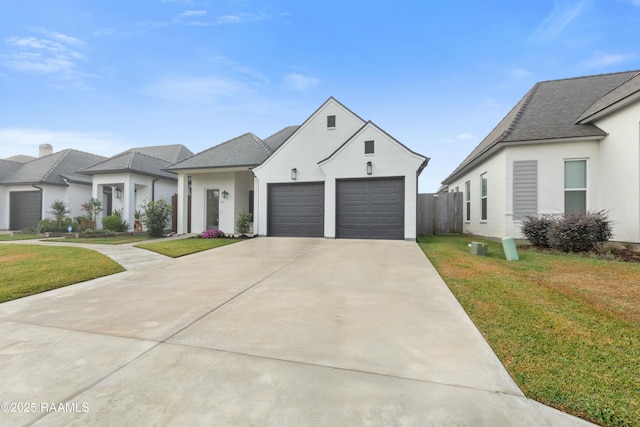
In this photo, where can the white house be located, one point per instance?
(29, 185)
(334, 176)
(338, 176)
(124, 182)
(569, 146)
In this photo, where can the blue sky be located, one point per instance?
(105, 76)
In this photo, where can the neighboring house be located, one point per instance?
(219, 181)
(569, 146)
(29, 187)
(124, 182)
(336, 175)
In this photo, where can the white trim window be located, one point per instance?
(467, 195)
(483, 198)
(575, 187)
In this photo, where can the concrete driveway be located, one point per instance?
(269, 331)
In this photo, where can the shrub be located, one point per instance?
(212, 234)
(244, 222)
(50, 226)
(93, 208)
(114, 223)
(60, 210)
(579, 233)
(535, 230)
(156, 216)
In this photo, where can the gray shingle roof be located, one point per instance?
(53, 169)
(622, 92)
(8, 168)
(245, 150)
(20, 158)
(131, 162)
(171, 153)
(551, 110)
(277, 139)
(142, 160)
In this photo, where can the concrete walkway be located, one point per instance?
(270, 331)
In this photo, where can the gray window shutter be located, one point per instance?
(525, 189)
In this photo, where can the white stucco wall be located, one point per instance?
(136, 189)
(499, 168)
(312, 143)
(237, 183)
(389, 159)
(619, 154)
(5, 207)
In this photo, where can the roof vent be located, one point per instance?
(46, 149)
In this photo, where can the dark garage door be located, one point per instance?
(25, 209)
(370, 208)
(296, 210)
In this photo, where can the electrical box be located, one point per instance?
(478, 248)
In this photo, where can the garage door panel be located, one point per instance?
(370, 208)
(25, 209)
(296, 209)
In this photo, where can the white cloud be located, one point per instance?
(198, 88)
(465, 136)
(563, 14)
(15, 141)
(601, 59)
(299, 82)
(190, 13)
(54, 55)
(520, 72)
(240, 18)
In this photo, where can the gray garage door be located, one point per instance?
(370, 208)
(25, 209)
(296, 210)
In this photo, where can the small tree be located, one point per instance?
(156, 216)
(93, 208)
(244, 222)
(60, 210)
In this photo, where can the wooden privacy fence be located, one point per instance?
(440, 213)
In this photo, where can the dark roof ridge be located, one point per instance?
(260, 143)
(61, 155)
(132, 154)
(584, 116)
(527, 100)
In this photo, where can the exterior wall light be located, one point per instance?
(225, 193)
(118, 192)
(369, 168)
(294, 173)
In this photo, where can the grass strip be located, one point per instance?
(31, 269)
(9, 237)
(181, 247)
(113, 240)
(566, 327)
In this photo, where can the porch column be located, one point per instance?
(129, 202)
(96, 193)
(183, 197)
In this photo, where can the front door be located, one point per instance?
(213, 209)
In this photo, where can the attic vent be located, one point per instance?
(331, 122)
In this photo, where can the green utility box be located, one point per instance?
(478, 248)
(510, 250)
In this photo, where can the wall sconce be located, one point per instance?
(369, 168)
(294, 173)
(224, 194)
(118, 192)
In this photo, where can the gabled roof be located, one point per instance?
(149, 161)
(53, 169)
(551, 110)
(372, 124)
(246, 150)
(8, 168)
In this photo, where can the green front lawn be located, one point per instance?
(113, 240)
(31, 269)
(566, 327)
(19, 236)
(181, 247)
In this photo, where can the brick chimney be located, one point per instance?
(45, 150)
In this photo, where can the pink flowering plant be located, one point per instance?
(212, 234)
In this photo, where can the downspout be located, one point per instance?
(153, 189)
(41, 199)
